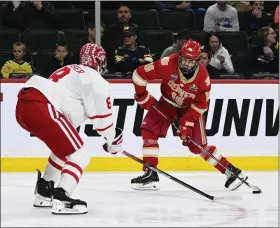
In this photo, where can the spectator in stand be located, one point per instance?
(240, 6)
(17, 65)
(175, 5)
(131, 55)
(76, 45)
(205, 59)
(221, 17)
(276, 19)
(183, 35)
(9, 18)
(195, 6)
(60, 59)
(113, 37)
(265, 56)
(220, 57)
(30, 15)
(256, 18)
(115, 31)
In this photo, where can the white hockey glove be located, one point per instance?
(116, 146)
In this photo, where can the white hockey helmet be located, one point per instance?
(93, 55)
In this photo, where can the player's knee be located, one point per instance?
(194, 149)
(146, 134)
(210, 149)
(149, 138)
(80, 157)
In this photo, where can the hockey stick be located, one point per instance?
(256, 189)
(179, 181)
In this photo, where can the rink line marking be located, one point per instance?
(260, 163)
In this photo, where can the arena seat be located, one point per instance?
(176, 21)
(37, 39)
(146, 19)
(200, 37)
(71, 19)
(108, 17)
(156, 40)
(8, 37)
(238, 61)
(234, 42)
(71, 38)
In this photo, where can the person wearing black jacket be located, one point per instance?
(256, 18)
(113, 36)
(29, 15)
(130, 55)
(60, 59)
(265, 56)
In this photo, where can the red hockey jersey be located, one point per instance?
(192, 94)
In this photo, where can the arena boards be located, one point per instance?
(242, 121)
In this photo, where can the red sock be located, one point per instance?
(218, 156)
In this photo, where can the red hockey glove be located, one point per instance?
(116, 146)
(146, 101)
(185, 130)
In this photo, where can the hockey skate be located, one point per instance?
(64, 205)
(43, 192)
(148, 181)
(232, 181)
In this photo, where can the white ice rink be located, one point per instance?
(111, 202)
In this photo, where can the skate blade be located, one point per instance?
(59, 208)
(41, 201)
(154, 186)
(237, 183)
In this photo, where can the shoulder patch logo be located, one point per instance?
(174, 77)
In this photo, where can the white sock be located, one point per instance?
(54, 168)
(73, 170)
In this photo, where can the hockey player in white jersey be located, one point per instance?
(52, 109)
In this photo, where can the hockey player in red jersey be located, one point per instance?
(52, 109)
(185, 91)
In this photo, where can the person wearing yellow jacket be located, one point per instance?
(17, 65)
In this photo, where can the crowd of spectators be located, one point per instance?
(122, 39)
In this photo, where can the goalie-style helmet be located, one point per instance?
(189, 57)
(93, 55)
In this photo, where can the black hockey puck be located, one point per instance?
(257, 192)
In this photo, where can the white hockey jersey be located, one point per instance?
(79, 93)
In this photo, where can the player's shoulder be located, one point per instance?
(204, 75)
(168, 60)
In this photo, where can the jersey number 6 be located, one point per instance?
(108, 101)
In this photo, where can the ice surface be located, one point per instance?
(112, 202)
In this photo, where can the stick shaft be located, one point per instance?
(207, 152)
(168, 176)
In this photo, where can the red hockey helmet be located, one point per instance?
(93, 55)
(191, 50)
(189, 57)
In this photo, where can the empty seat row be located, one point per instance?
(156, 40)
